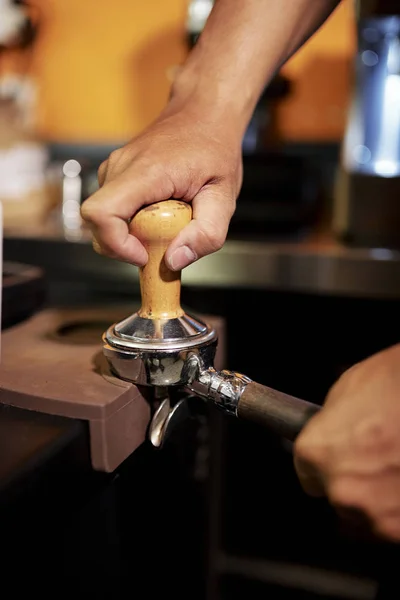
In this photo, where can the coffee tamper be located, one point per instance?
(162, 346)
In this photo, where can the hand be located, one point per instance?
(350, 451)
(180, 156)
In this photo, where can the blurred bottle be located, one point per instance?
(197, 15)
(25, 193)
(367, 199)
(12, 22)
(261, 131)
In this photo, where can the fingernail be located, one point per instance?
(181, 258)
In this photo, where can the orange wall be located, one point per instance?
(321, 73)
(100, 68)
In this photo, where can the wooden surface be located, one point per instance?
(156, 226)
(53, 363)
(28, 439)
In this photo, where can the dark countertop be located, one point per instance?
(56, 513)
(67, 530)
(28, 441)
(314, 262)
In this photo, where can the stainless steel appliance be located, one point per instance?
(367, 196)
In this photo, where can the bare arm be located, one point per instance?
(243, 44)
(192, 150)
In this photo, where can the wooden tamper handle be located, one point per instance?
(156, 226)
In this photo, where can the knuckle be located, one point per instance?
(377, 435)
(87, 210)
(377, 440)
(102, 168)
(308, 455)
(118, 160)
(343, 494)
(154, 170)
(214, 235)
(362, 375)
(311, 448)
(114, 156)
(92, 211)
(104, 249)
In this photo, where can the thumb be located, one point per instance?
(213, 208)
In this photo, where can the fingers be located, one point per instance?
(127, 248)
(213, 208)
(371, 500)
(311, 458)
(102, 172)
(363, 486)
(108, 211)
(121, 194)
(111, 236)
(309, 477)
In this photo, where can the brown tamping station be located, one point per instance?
(162, 347)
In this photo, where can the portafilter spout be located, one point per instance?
(162, 346)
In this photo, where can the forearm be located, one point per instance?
(241, 47)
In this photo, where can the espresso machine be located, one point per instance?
(367, 197)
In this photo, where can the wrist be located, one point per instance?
(210, 98)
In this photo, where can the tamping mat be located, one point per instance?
(53, 363)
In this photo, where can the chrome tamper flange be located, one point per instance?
(159, 352)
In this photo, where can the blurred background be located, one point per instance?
(66, 97)
(312, 259)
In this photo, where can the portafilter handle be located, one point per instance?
(238, 395)
(281, 413)
(156, 226)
